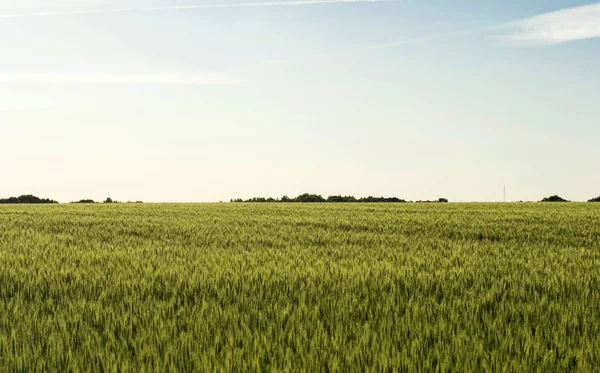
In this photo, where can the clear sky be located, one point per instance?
(217, 99)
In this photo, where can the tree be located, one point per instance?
(109, 200)
(310, 198)
(85, 201)
(554, 198)
(597, 199)
(442, 200)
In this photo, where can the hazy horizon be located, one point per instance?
(200, 100)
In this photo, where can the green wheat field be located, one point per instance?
(300, 288)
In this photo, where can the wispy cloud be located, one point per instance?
(165, 78)
(190, 7)
(562, 26)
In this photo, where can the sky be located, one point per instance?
(208, 100)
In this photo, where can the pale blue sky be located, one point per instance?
(418, 100)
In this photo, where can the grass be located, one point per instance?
(303, 287)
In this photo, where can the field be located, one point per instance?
(300, 287)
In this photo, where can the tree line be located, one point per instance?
(26, 199)
(317, 198)
(303, 198)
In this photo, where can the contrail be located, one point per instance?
(189, 7)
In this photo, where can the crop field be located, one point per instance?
(300, 287)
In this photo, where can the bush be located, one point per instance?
(554, 199)
(85, 201)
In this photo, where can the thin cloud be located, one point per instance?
(190, 7)
(562, 26)
(166, 78)
(546, 29)
(558, 27)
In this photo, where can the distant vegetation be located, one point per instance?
(27, 199)
(554, 199)
(108, 200)
(441, 200)
(85, 201)
(303, 198)
(307, 198)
